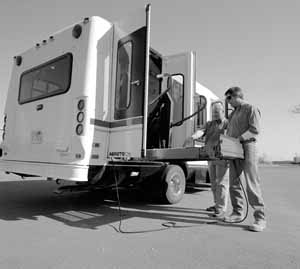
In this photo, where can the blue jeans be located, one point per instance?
(218, 174)
(250, 168)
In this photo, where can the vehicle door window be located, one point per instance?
(176, 93)
(202, 115)
(123, 86)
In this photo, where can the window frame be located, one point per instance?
(41, 66)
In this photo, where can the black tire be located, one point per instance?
(173, 184)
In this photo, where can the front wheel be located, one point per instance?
(173, 184)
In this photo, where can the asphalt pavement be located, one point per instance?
(39, 229)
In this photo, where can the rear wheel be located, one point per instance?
(173, 186)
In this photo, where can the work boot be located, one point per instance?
(220, 214)
(234, 217)
(258, 226)
(211, 208)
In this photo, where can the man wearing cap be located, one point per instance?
(244, 125)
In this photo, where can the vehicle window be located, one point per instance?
(123, 86)
(176, 92)
(49, 79)
(202, 116)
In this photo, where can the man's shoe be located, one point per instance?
(233, 218)
(219, 214)
(258, 225)
(211, 208)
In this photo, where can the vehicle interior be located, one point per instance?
(159, 107)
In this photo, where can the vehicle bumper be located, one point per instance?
(62, 171)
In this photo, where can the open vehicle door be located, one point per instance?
(179, 76)
(129, 85)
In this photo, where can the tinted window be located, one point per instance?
(123, 88)
(51, 78)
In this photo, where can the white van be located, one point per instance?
(76, 104)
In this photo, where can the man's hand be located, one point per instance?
(241, 139)
(198, 134)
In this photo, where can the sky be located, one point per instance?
(251, 44)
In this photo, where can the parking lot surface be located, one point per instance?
(39, 229)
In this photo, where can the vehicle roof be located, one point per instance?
(97, 19)
(205, 91)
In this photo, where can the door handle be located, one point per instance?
(136, 82)
(39, 107)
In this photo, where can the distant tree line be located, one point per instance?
(264, 159)
(296, 109)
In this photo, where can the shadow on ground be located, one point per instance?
(33, 199)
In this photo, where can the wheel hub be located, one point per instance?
(175, 183)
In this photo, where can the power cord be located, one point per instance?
(167, 225)
(120, 229)
(171, 224)
(180, 122)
